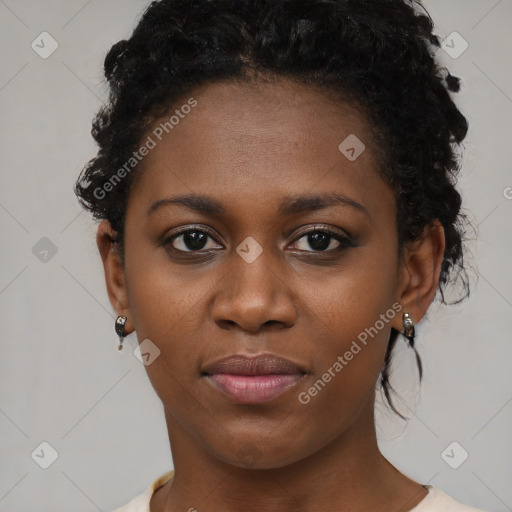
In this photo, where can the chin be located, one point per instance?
(262, 455)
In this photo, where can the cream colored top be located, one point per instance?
(435, 501)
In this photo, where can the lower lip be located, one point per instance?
(254, 389)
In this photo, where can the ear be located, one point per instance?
(419, 273)
(114, 272)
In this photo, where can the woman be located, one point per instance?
(276, 188)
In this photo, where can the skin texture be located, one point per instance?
(249, 147)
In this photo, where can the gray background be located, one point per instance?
(64, 382)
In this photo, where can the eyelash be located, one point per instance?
(343, 240)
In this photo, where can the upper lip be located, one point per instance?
(261, 364)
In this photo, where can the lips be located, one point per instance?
(253, 379)
(262, 364)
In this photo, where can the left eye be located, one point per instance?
(320, 241)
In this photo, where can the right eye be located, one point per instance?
(189, 240)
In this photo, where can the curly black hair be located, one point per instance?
(377, 54)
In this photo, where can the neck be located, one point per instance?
(348, 470)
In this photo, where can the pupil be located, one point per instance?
(194, 240)
(318, 241)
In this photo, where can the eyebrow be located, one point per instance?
(291, 205)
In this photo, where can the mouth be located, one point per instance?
(253, 379)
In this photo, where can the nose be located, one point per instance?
(253, 295)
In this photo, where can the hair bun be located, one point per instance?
(115, 57)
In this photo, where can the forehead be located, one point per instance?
(258, 141)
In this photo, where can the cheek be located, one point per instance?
(352, 315)
(164, 304)
(162, 296)
(353, 298)
(164, 313)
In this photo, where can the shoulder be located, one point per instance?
(141, 502)
(438, 501)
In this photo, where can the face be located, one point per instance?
(291, 252)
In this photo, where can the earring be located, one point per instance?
(409, 331)
(119, 327)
